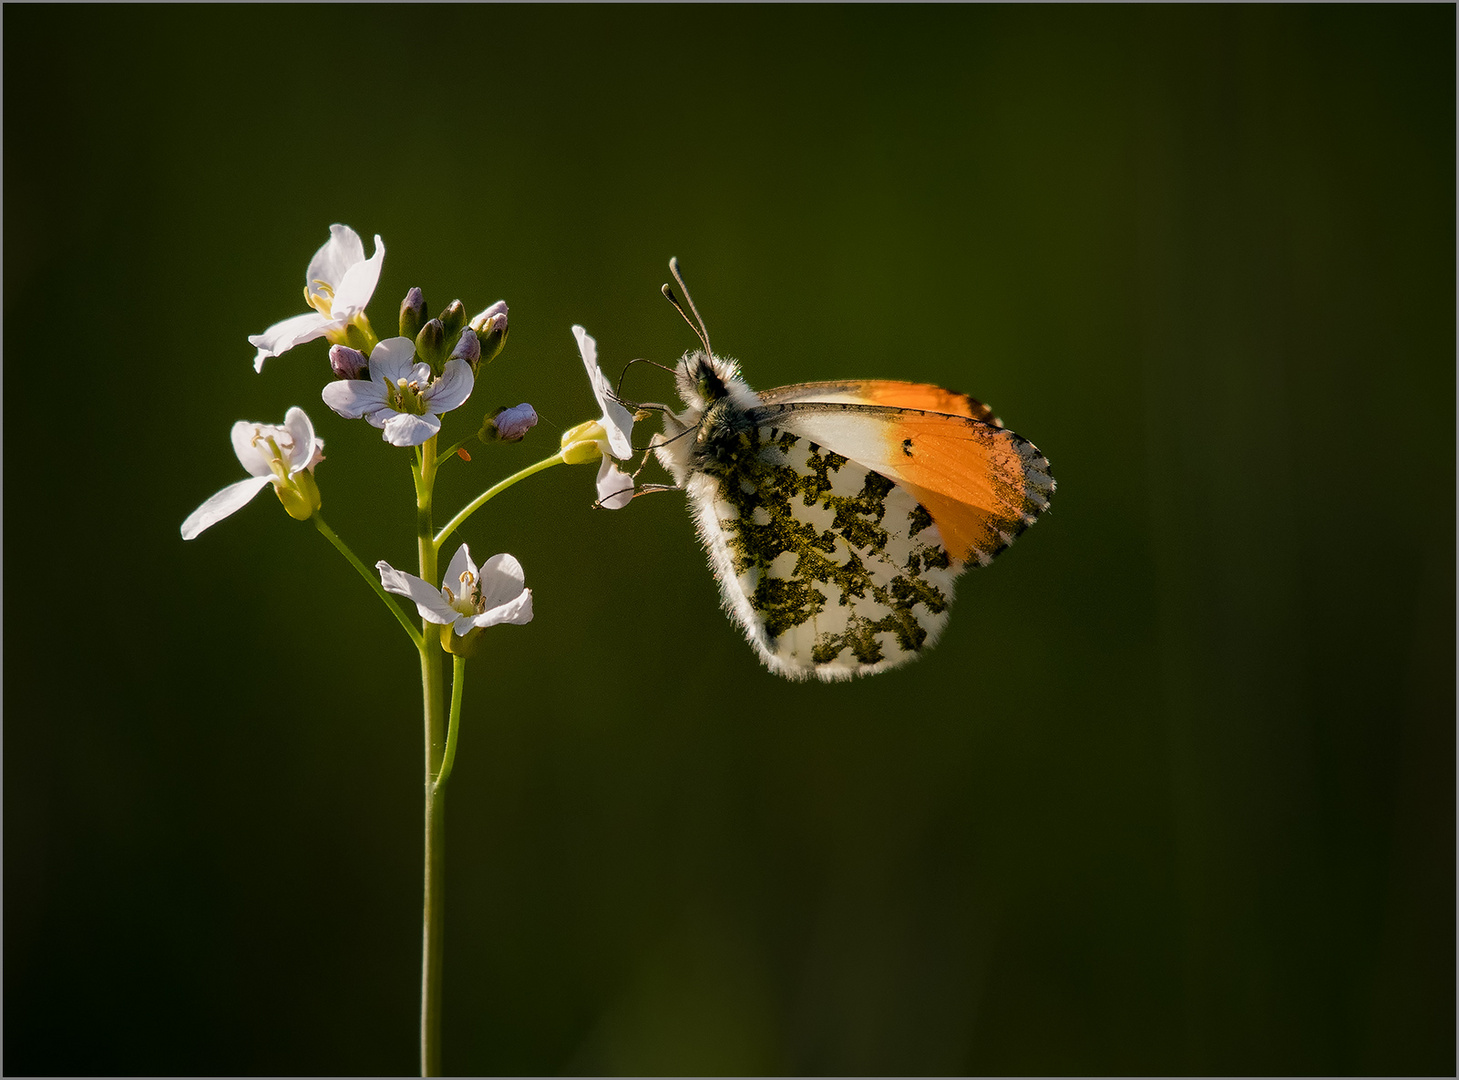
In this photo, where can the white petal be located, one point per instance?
(463, 626)
(615, 487)
(253, 460)
(451, 389)
(354, 291)
(231, 498)
(392, 359)
(460, 563)
(617, 420)
(406, 429)
(283, 336)
(428, 599)
(301, 432)
(331, 262)
(515, 612)
(587, 348)
(317, 456)
(501, 579)
(354, 398)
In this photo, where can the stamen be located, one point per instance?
(450, 596)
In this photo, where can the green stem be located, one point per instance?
(372, 579)
(491, 493)
(434, 911)
(458, 684)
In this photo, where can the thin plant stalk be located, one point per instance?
(434, 910)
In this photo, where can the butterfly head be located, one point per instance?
(703, 379)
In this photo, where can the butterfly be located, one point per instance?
(837, 515)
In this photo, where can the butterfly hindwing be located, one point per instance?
(829, 567)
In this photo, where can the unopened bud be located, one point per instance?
(491, 328)
(509, 425)
(453, 318)
(430, 343)
(468, 348)
(348, 363)
(412, 313)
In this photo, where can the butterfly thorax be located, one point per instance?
(713, 428)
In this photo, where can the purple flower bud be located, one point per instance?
(491, 328)
(412, 313)
(468, 348)
(497, 311)
(348, 363)
(509, 425)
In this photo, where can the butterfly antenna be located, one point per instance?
(640, 360)
(701, 331)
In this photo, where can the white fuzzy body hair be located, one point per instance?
(675, 450)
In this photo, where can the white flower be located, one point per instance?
(469, 598)
(611, 433)
(338, 285)
(283, 456)
(401, 396)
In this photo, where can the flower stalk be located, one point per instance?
(404, 385)
(433, 916)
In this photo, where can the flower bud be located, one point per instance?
(453, 317)
(412, 313)
(509, 425)
(348, 363)
(468, 348)
(491, 328)
(430, 343)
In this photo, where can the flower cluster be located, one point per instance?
(404, 385)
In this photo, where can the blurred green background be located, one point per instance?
(1175, 793)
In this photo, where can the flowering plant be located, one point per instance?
(406, 386)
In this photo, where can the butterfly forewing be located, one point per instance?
(982, 485)
(829, 566)
(891, 392)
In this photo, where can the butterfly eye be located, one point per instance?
(710, 386)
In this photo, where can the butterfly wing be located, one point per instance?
(890, 392)
(830, 568)
(982, 485)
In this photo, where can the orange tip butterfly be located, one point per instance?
(837, 515)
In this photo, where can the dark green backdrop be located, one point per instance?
(1175, 793)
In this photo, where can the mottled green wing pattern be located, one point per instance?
(830, 568)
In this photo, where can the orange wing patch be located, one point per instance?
(982, 485)
(890, 392)
(906, 395)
